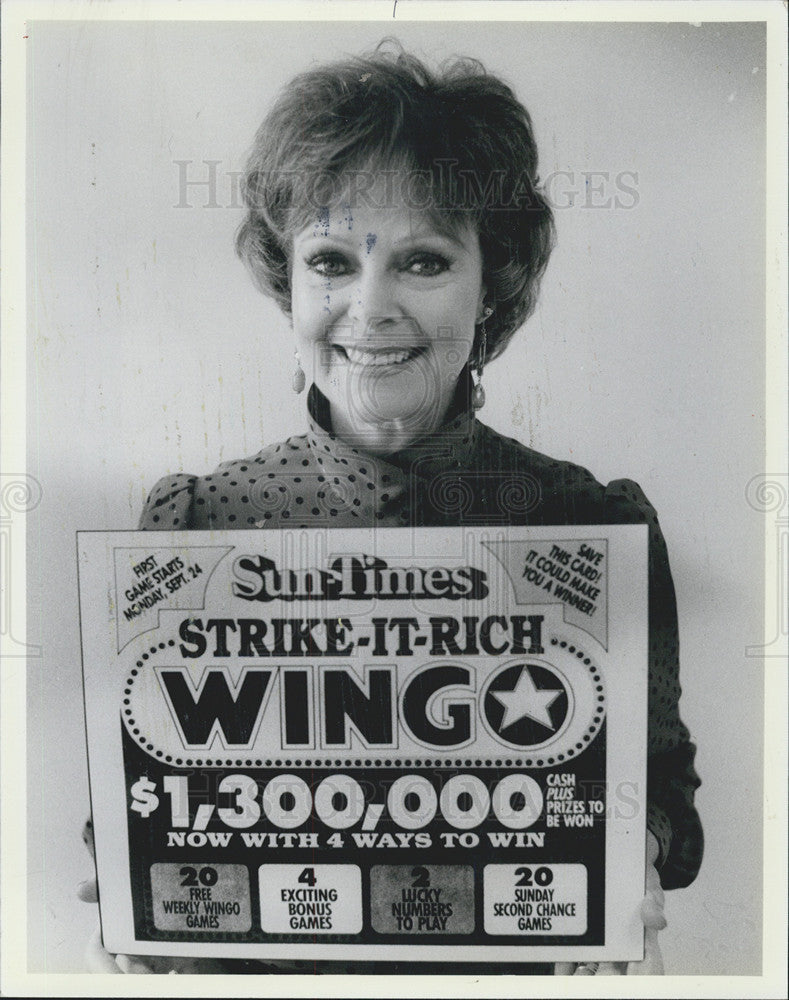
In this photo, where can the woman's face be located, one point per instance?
(384, 310)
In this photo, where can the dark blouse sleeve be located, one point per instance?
(169, 506)
(671, 777)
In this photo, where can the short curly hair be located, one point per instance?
(460, 132)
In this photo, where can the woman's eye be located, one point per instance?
(427, 265)
(330, 265)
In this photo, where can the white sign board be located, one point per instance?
(424, 744)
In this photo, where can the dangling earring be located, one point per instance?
(478, 395)
(299, 379)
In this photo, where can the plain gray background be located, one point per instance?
(151, 352)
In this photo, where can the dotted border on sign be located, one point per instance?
(599, 711)
(543, 760)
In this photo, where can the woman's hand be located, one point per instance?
(98, 959)
(654, 920)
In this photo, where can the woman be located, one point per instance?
(395, 216)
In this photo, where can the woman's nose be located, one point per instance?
(373, 299)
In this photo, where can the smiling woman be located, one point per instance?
(384, 311)
(396, 217)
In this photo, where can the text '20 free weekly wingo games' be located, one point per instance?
(423, 744)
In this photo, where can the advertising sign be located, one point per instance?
(390, 744)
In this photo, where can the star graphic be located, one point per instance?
(526, 700)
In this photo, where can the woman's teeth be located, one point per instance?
(392, 356)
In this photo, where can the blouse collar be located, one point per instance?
(449, 447)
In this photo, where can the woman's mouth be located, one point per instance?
(378, 356)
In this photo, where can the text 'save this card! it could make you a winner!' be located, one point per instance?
(425, 744)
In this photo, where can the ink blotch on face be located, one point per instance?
(321, 226)
(370, 241)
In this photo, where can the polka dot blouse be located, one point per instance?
(465, 474)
